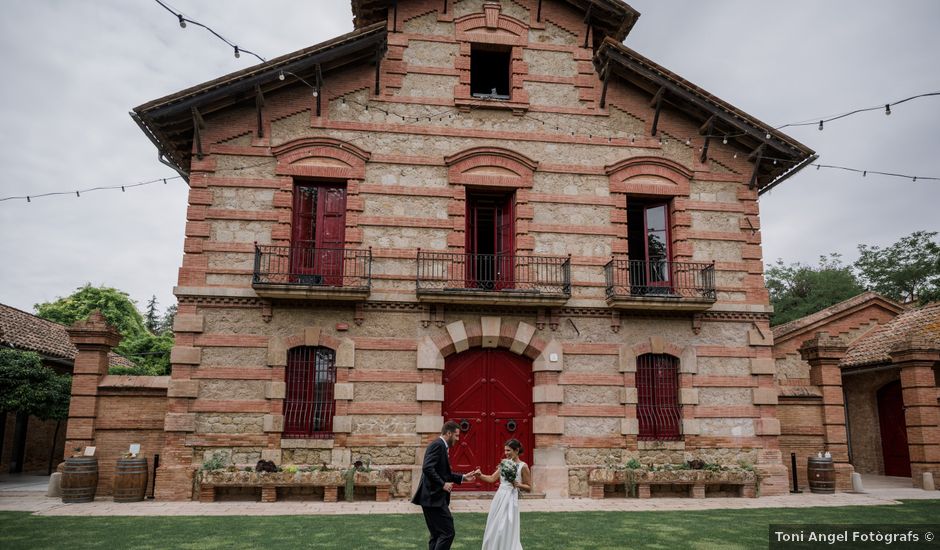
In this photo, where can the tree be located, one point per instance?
(906, 271)
(166, 322)
(149, 352)
(797, 290)
(26, 385)
(29, 387)
(116, 306)
(151, 319)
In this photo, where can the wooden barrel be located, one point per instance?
(79, 479)
(130, 479)
(822, 475)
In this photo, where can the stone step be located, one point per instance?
(487, 495)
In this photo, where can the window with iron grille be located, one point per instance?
(309, 405)
(657, 384)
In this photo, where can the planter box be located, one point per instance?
(696, 483)
(269, 482)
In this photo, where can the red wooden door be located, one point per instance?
(505, 244)
(488, 392)
(318, 234)
(655, 220)
(897, 457)
(490, 242)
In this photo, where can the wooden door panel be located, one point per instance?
(487, 389)
(897, 459)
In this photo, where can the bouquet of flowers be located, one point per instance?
(507, 469)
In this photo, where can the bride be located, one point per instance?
(502, 524)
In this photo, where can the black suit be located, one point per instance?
(432, 497)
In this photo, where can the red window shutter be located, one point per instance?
(318, 232)
(658, 411)
(309, 405)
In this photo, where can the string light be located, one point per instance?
(78, 192)
(183, 20)
(820, 125)
(887, 108)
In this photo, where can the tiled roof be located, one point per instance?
(784, 330)
(27, 332)
(874, 347)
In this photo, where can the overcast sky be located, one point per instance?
(73, 70)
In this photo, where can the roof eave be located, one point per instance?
(154, 117)
(702, 104)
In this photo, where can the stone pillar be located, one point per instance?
(823, 353)
(916, 357)
(94, 339)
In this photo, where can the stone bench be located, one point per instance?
(695, 482)
(270, 482)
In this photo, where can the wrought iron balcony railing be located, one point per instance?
(307, 266)
(659, 279)
(445, 272)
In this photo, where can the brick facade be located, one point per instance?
(407, 157)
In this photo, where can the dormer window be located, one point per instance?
(490, 71)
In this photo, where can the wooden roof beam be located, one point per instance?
(198, 126)
(707, 129)
(658, 101)
(259, 107)
(759, 152)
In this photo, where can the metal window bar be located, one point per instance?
(660, 278)
(493, 272)
(309, 405)
(658, 410)
(306, 265)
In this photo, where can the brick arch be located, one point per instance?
(489, 332)
(312, 336)
(649, 176)
(491, 27)
(321, 157)
(657, 346)
(490, 166)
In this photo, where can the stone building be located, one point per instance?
(859, 379)
(488, 212)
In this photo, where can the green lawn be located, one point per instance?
(725, 529)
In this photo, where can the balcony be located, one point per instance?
(660, 285)
(295, 272)
(493, 279)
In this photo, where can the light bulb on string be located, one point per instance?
(316, 92)
(768, 135)
(182, 21)
(688, 141)
(237, 55)
(887, 109)
(820, 125)
(724, 140)
(280, 76)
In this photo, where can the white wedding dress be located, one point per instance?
(502, 525)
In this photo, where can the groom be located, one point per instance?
(436, 483)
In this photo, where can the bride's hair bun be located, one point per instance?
(515, 445)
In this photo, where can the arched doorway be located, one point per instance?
(897, 458)
(489, 393)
